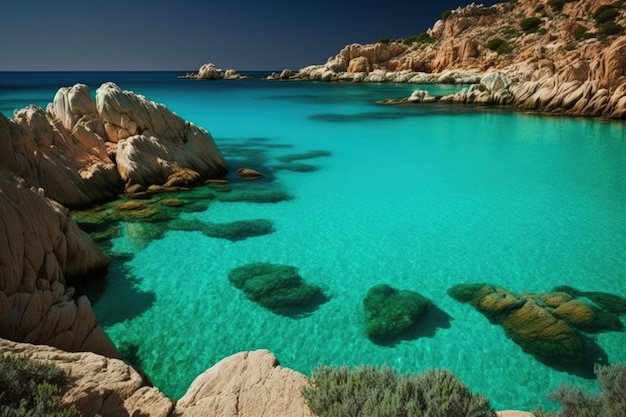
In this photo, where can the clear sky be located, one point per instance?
(184, 34)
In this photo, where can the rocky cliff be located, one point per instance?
(41, 248)
(80, 150)
(559, 56)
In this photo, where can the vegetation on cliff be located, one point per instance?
(31, 389)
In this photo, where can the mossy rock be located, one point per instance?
(541, 334)
(490, 300)
(254, 194)
(554, 299)
(131, 205)
(172, 202)
(576, 312)
(611, 303)
(277, 287)
(390, 313)
(234, 231)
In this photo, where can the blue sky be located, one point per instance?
(184, 34)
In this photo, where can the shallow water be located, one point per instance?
(421, 198)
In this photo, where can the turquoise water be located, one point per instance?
(420, 198)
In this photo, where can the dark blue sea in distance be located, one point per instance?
(420, 198)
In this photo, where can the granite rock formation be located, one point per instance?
(80, 150)
(559, 57)
(42, 248)
(245, 384)
(211, 72)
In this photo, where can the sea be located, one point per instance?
(420, 197)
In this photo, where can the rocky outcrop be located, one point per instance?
(42, 248)
(245, 384)
(211, 72)
(566, 59)
(81, 150)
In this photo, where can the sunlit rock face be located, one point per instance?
(43, 247)
(82, 150)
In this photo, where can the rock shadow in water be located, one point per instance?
(296, 167)
(115, 295)
(251, 193)
(278, 288)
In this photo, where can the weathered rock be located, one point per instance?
(246, 384)
(43, 248)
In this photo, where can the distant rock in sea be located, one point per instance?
(558, 57)
(211, 72)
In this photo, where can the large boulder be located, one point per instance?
(43, 248)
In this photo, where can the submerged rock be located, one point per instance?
(611, 303)
(234, 231)
(304, 155)
(277, 287)
(391, 314)
(547, 325)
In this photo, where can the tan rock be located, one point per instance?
(44, 247)
(246, 384)
(249, 174)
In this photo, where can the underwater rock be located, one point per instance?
(277, 287)
(253, 194)
(545, 325)
(296, 167)
(234, 231)
(172, 202)
(390, 313)
(305, 155)
(608, 302)
(130, 205)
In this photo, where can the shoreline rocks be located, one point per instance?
(569, 63)
(118, 141)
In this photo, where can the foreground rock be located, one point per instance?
(43, 248)
(558, 57)
(243, 385)
(81, 150)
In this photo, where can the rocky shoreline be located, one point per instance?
(570, 61)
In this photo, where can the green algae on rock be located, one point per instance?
(545, 325)
(234, 231)
(611, 303)
(277, 287)
(390, 313)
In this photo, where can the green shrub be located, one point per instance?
(501, 46)
(556, 5)
(581, 33)
(445, 14)
(419, 38)
(383, 40)
(611, 29)
(530, 24)
(368, 391)
(605, 13)
(609, 402)
(29, 388)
